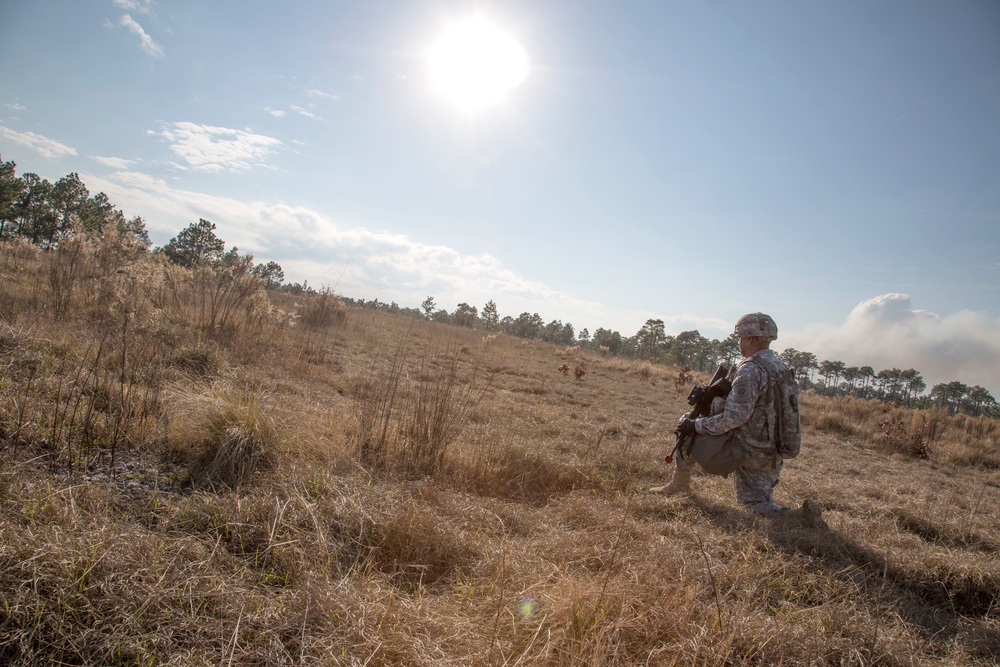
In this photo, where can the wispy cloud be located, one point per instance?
(14, 106)
(277, 113)
(141, 6)
(113, 162)
(357, 261)
(42, 145)
(217, 149)
(888, 332)
(148, 44)
(304, 112)
(319, 93)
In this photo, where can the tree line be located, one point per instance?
(689, 348)
(43, 213)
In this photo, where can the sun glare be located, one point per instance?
(474, 64)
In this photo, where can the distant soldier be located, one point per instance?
(741, 434)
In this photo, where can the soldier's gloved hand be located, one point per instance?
(686, 426)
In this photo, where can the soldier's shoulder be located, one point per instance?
(750, 368)
(769, 358)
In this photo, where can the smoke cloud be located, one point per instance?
(888, 332)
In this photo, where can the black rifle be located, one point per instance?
(700, 399)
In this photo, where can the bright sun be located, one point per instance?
(475, 64)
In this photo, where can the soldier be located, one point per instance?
(739, 436)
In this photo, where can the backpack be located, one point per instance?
(785, 391)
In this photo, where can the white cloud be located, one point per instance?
(113, 162)
(353, 260)
(888, 332)
(42, 145)
(304, 112)
(147, 43)
(14, 106)
(141, 6)
(319, 93)
(216, 149)
(277, 113)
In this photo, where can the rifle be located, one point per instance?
(700, 399)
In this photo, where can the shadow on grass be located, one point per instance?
(950, 605)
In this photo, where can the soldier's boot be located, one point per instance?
(812, 513)
(680, 483)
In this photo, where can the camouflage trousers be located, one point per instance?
(755, 475)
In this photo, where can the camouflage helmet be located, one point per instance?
(756, 324)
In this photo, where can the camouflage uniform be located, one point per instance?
(749, 418)
(744, 429)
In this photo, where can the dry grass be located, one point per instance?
(297, 482)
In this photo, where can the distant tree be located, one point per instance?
(11, 190)
(980, 402)
(270, 275)
(441, 316)
(867, 376)
(584, 336)
(650, 340)
(890, 384)
(490, 317)
(98, 213)
(686, 347)
(428, 306)
(912, 384)
(607, 338)
(557, 333)
(527, 325)
(134, 229)
(706, 354)
(197, 244)
(729, 349)
(68, 197)
(35, 215)
(465, 315)
(568, 335)
(851, 374)
(949, 395)
(831, 372)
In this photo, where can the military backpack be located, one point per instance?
(785, 391)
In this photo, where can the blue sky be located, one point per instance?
(835, 164)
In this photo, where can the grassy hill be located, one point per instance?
(196, 472)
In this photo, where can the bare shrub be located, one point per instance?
(438, 411)
(66, 265)
(375, 407)
(322, 309)
(220, 300)
(684, 378)
(411, 424)
(897, 437)
(18, 253)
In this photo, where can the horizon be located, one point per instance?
(832, 165)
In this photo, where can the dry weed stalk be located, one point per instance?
(409, 421)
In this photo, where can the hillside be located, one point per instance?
(198, 472)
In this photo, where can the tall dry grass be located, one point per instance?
(191, 473)
(925, 433)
